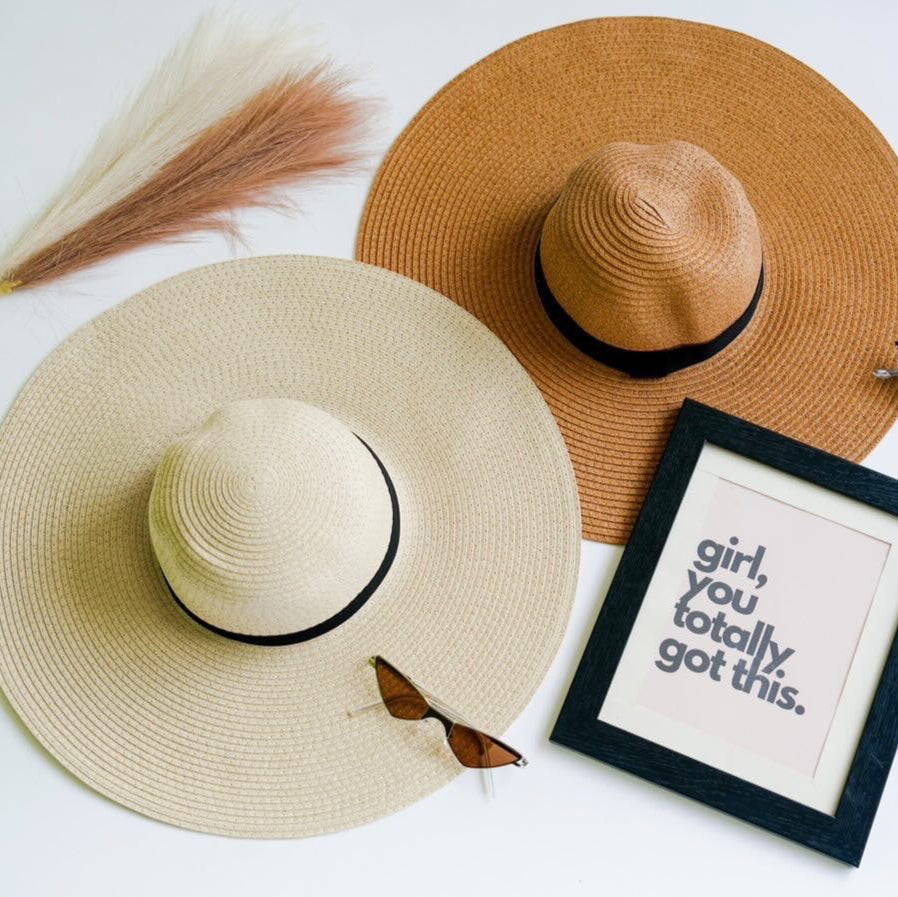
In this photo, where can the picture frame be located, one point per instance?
(684, 678)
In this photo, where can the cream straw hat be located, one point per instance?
(648, 209)
(218, 499)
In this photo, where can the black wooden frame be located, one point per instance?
(843, 835)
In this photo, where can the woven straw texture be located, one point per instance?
(269, 518)
(651, 247)
(461, 198)
(163, 716)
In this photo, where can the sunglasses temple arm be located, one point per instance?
(359, 711)
(367, 708)
(489, 785)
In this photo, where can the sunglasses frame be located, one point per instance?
(447, 722)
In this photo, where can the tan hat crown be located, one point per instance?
(271, 520)
(651, 248)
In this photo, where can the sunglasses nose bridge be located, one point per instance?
(446, 722)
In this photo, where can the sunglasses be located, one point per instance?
(405, 700)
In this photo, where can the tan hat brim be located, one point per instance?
(461, 197)
(165, 717)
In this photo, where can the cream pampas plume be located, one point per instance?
(231, 114)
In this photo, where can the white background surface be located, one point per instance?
(566, 824)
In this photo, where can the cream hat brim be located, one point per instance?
(461, 198)
(208, 733)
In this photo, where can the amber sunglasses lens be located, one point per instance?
(476, 750)
(400, 697)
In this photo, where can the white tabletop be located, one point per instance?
(566, 824)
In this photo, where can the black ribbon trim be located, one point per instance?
(637, 362)
(303, 635)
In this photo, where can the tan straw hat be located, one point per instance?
(218, 499)
(649, 209)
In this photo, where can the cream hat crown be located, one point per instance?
(271, 520)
